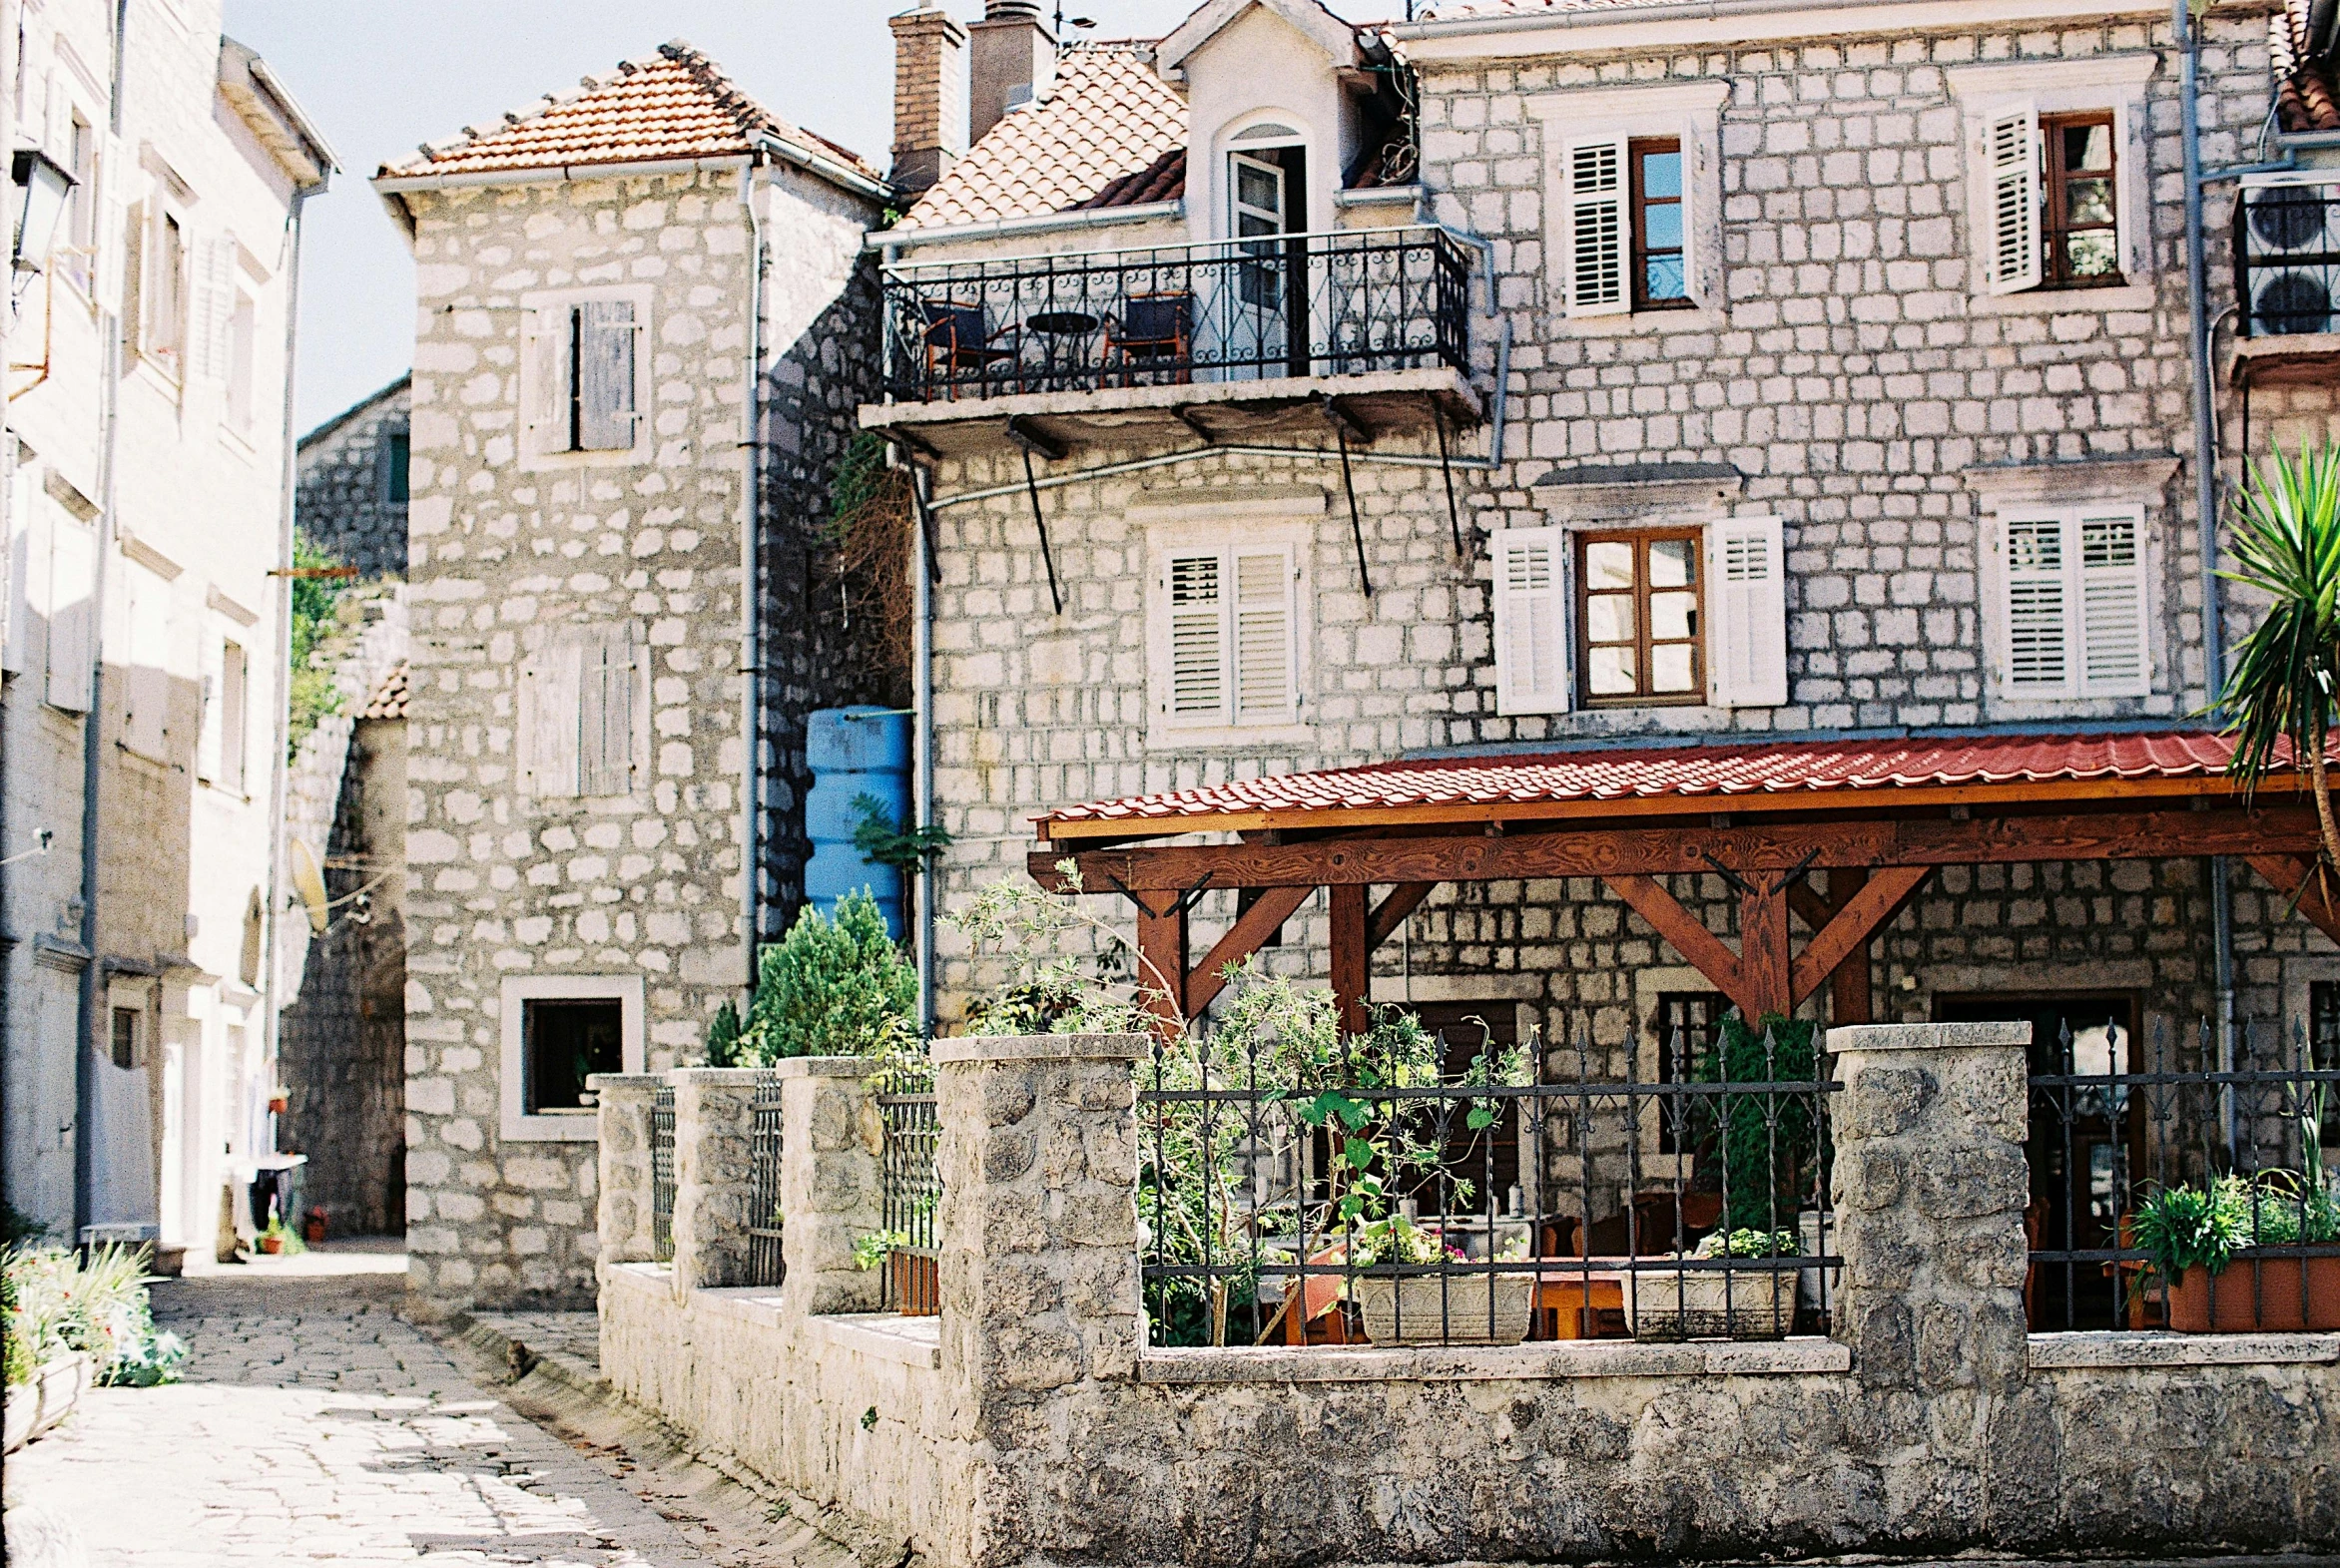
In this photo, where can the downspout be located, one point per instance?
(752, 592)
(2206, 519)
(923, 676)
(85, 1083)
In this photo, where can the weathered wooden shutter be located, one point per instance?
(235, 673)
(2116, 657)
(1531, 604)
(1598, 231)
(73, 611)
(2010, 152)
(20, 553)
(2034, 661)
(605, 723)
(1746, 595)
(137, 225)
(547, 337)
(1265, 648)
(1198, 638)
(211, 692)
(147, 687)
(550, 724)
(605, 375)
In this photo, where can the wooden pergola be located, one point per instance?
(1879, 816)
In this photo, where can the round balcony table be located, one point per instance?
(1064, 336)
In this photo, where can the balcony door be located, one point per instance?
(1263, 292)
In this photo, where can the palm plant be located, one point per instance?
(2280, 697)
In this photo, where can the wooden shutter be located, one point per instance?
(209, 735)
(212, 309)
(1530, 605)
(605, 375)
(546, 335)
(136, 223)
(25, 554)
(146, 687)
(2034, 661)
(549, 719)
(1747, 613)
(235, 674)
(1597, 262)
(1263, 643)
(1198, 683)
(2011, 155)
(73, 611)
(606, 717)
(2116, 658)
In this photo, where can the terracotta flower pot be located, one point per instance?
(2257, 1294)
(917, 1284)
(272, 1244)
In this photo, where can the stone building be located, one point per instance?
(148, 453)
(641, 333)
(1608, 382)
(350, 498)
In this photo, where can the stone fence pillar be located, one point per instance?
(1930, 1190)
(1039, 1223)
(622, 1218)
(831, 1180)
(715, 1139)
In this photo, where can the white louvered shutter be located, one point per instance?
(26, 553)
(212, 309)
(57, 124)
(1263, 643)
(1594, 172)
(1198, 638)
(73, 611)
(2115, 659)
(1530, 601)
(211, 692)
(545, 341)
(147, 691)
(605, 723)
(1747, 613)
(549, 721)
(2011, 153)
(234, 689)
(2035, 660)
(605, 375)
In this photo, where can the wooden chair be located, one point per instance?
(959, 338)
(1153, 331)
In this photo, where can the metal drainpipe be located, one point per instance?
(752, 592)
(922, 675)
(2206, 518)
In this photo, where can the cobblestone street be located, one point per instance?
(314, 1425)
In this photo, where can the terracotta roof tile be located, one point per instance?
(1622, 774)
(676, 102)
(1107, 121)
(389, 699)
(2308, 90)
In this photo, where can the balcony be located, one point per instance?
(2287, 288)
(1230, 341)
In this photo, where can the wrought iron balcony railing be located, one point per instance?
(2287, 256)
(1315, 304)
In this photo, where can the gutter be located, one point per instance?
(891, 240)
(829, 169)
(1975, 13)
(555, 174)
(752, 597)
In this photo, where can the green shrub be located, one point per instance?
(2187, 1227)
(1768, 1140)
(723, 1037)
(832, 989)
(60, 1302)
(310, 691)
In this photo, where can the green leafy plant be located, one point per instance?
(1769, 1138)
(832, 988)
(873, 1247)
(59, 1301)
(287, 1240)
(1750, 1244)
(2279, 699)
(2186, 1227)
(723, 1037)
(890, 843)
(310, 691)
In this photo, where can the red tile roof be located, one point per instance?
(1449, 10)
(1759, 769)
(2308, 90)
(673, 103)
(389, 699)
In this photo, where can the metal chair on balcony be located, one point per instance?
(1152, 332)
(959, 341)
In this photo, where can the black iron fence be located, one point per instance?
(2171, 1192)
(767, 1264)
(662, 1174)
(1312, 304)
(1452, 1189)
(2288, 254)
(910, 1185)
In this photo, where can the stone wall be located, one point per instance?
(343, 501)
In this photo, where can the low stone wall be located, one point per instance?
(1042, 1431)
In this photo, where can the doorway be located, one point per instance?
(2087, 1147)
(1267, 318)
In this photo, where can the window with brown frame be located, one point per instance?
(1660, 280)
(2082, 231)
(1639, 640)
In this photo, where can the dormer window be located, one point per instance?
(1267, 182)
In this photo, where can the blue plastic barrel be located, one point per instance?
(854, 752)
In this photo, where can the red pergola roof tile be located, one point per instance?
(1750, 771)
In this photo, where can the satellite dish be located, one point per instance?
(308, 884)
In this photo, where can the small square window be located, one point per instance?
(2082, 229)
(123, 1042)
(396, 458)
(1638, 618)
(564, 1042)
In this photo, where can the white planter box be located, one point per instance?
(1698, 1304)
(34, 1407)
(1428, 1310)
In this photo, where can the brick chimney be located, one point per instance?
(929, 95)
(1013, 56)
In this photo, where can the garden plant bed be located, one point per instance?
(2258, 1292)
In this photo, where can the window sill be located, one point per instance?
(638, 455)
(2064, 302)
(1481, 1363)
(584, 1127)
(2153, 1347)
(1639, 322)
(1164, 739)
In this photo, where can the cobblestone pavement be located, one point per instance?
(314, 1425)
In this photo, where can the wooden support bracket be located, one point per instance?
(2296, 879)
(1392, 911)
(1860, 912)
(1161, 952)
(1251, 929)
(1351, 958)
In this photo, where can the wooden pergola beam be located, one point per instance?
(1605, 852)
(1161, 960)
(1860, 912)
(1352, 956)
(2296, 879)
(1246, 937)
(1707, 952)
(1392, 911)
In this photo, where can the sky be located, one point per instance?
(380, 78)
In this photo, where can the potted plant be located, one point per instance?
(71, 1321)
(281, 1239)
(1756, 1302)
(2195, 1235)
(1437, 1309)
